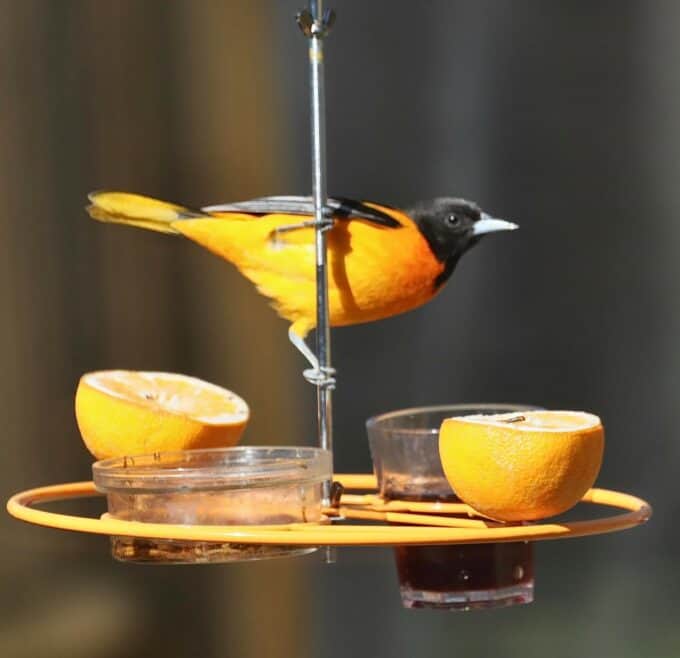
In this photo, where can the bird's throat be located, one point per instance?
(449, 265)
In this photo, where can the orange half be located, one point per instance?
(123, 413)
(522, 466)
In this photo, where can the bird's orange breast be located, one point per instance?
(379, 272)
(373, 272)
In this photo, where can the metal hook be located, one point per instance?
(315, 28)
(336, 493)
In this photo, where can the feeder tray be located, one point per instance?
(429, 522)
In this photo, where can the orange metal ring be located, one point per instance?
(300, 534)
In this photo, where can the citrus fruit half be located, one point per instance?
(122, 413)
(522, 466)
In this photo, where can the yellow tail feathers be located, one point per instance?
(137, 210)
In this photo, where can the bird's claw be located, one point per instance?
(322, 377)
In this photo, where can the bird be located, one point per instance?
(382, 261)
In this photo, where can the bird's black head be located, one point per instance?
(451, 226)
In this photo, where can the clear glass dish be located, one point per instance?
(229, 486)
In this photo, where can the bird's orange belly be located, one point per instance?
(354, 307)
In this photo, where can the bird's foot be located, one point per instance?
(325, 224)
(322, 377)
(318, 375)
(276, 237)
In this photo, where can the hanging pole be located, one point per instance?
(315, 24)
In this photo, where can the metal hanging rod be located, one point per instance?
(315, 23)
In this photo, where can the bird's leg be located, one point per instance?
(316, 374)
(325, 224)
(289, 228)
(306, 351)
(294, 227)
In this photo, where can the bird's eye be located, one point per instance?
(453, 220)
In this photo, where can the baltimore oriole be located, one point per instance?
(381, 261)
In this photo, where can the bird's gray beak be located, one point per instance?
(488, 224)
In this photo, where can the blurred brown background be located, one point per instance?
(559, 115)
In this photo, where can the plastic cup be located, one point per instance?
(405, 451)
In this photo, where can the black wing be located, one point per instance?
(303, 205)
